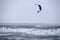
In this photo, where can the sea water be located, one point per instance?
(29, 32)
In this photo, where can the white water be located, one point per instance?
(33, 31)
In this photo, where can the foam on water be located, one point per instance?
(33, 31)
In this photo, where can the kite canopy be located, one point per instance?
(39, 8)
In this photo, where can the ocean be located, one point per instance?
(29, 32)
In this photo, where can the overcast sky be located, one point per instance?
(25, 11)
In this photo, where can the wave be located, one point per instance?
(33, 31)
(31, 26)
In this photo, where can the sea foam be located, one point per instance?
(33, 31)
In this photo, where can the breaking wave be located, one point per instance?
(33, 31)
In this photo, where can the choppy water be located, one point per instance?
(29, 32)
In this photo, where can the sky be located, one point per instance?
(25, 11)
